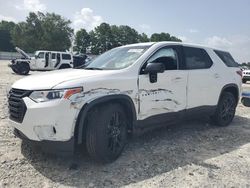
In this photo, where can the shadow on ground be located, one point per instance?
(149, 155)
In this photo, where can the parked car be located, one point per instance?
(246, 76)
(43, 60)
(125, 90)
(245, 100)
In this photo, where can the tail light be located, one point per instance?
(239, 72)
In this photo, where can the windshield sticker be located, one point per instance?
(135, 50)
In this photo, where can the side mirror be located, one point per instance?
(36, 56)
(154, 68)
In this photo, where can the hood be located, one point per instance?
(22, 53)
(49, 80)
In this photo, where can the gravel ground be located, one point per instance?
(191, 154)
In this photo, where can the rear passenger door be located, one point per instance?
(202, 89)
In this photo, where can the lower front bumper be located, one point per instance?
(62, 148)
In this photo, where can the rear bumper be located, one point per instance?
(62, 148)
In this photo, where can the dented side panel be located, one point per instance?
(168, 94)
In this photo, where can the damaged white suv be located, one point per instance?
(124, 90)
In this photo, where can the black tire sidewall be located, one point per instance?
(97, 137)
(24, 68)
(217, 117)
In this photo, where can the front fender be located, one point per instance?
(120, 98)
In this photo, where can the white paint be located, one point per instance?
(174, 91)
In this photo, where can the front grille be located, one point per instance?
(17, 107)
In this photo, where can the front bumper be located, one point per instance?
(65, 148)
(47, 121)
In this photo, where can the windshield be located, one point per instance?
(117, 58)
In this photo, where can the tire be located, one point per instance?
(24, 68)
(106, 134)
(21, 68)
(245, 101)
(244, 81)
(225, 110)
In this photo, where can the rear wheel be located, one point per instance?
(244, 81)
(106, 133)
(225, 110)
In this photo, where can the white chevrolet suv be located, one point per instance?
(124, 90)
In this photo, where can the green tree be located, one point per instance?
(143, 38)
(82, 41)
(5, 36)
(105, 37)
(157, 37)
(43, 31)
(128, 35)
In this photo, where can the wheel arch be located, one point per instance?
(64, 66)
(122, 99)
(232, 88)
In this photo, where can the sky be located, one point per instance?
(223, 24)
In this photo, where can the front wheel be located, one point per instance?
(106, 133)
(244, 81)
(21, 68)
(225, 110)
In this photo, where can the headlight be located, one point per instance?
(48, 95)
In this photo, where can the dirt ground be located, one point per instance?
(191, 154)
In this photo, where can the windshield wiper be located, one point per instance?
(93, 68)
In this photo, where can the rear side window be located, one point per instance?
(53, 56)
(197, 58)
(66, 56)
(226, 58)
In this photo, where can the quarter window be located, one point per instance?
(197, 58)
(226, 58)
(167, 56)
(66, 56)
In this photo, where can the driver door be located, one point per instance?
(40, 60)
(168, 94)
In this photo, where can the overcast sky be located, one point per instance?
(223, 24)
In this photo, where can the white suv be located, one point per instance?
(43, 60)
(124, 90)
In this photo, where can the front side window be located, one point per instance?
(196, 58)
(41, 55)
(167, 56)
(117, 58)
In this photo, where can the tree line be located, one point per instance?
(53, 32)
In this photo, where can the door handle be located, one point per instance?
(178, 78)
